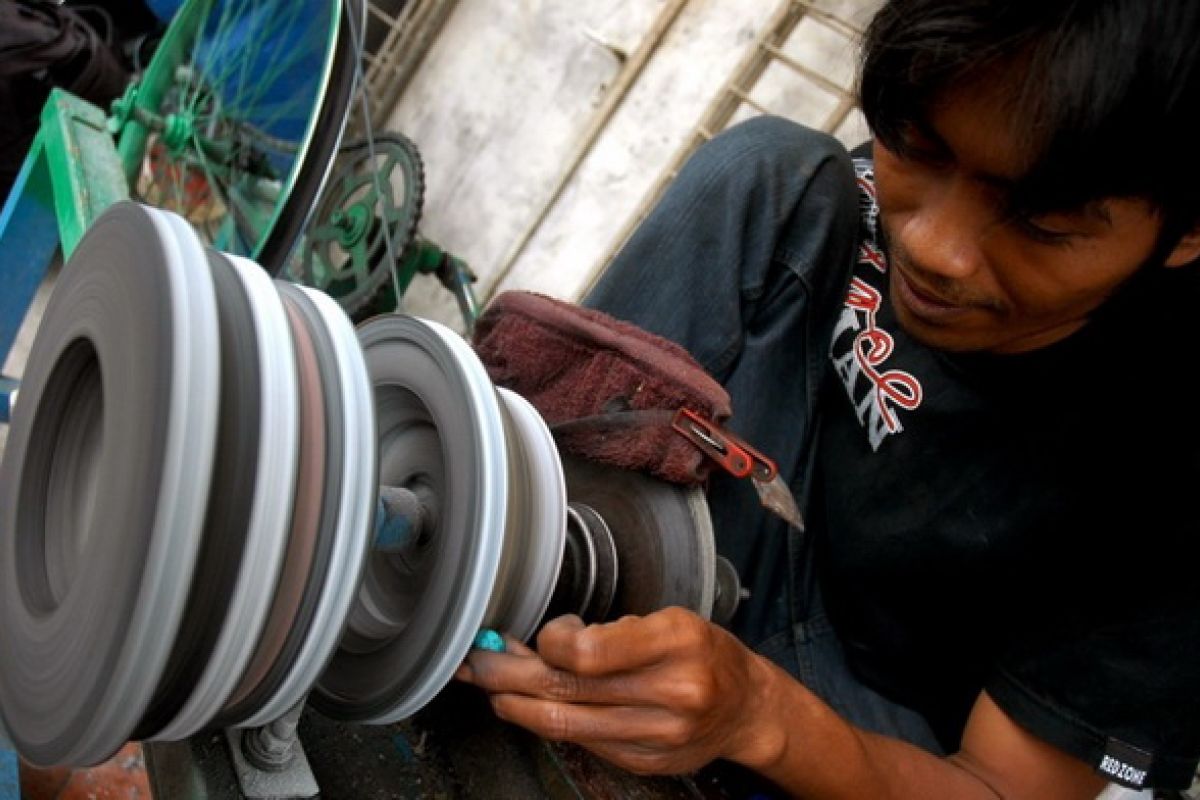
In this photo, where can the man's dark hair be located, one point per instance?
(1106, 93)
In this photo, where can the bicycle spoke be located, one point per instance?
(284, 56)
(214, 185)
(219, 41)
(251, 85)
(215, 42)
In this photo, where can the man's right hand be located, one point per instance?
(664, 694)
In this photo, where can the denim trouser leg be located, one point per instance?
(745, 262)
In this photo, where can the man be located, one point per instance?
(968, 348)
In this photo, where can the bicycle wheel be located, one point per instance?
(238, 116)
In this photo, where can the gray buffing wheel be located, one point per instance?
(268, 524)
(439, 423)
(536, 530)
(318, 485)
(355, 521)
(116, 430)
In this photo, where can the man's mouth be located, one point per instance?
(925, 304)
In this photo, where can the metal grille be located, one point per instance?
(770, 50)
(399, 34)
(773, 54)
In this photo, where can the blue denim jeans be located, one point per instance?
(745, 262)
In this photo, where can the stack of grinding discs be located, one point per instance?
(186, 496)
(188, 505)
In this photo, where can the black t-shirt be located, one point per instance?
(1021, 524)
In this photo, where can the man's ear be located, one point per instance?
(1187, 250)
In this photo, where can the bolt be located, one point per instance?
(273, 746)
(178, 130)
(404, 518)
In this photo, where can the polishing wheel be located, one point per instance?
(490, 556)
(439, 425)
(660, 533)
(189, 504)
(156, 526)
(108, 464)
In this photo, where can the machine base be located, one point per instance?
(294, 782)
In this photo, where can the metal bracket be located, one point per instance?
(270, 761)
(85, 172)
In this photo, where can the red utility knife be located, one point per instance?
(741, 460)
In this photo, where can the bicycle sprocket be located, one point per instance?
(375, 192)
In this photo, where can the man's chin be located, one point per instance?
(970, 339)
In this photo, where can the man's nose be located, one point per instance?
(943, 235)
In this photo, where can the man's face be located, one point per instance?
(968, 275)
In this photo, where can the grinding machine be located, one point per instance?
(219, 502)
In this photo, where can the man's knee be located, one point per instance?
(777, 133)
(774, 148)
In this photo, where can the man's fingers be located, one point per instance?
(530, 675)
(566, 624)
(511, 645)
(516, 647)
(627, 644)
(635, 727)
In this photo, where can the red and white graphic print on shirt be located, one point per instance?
(861, 348)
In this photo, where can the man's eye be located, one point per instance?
(919, 149)
(915, 147)
(927, 156)
(1038, 230)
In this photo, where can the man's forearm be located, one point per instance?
(807, 749)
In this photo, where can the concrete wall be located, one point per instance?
(506, 98)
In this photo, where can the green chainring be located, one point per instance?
(372, 204)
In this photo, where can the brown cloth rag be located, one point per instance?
(608, 389)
